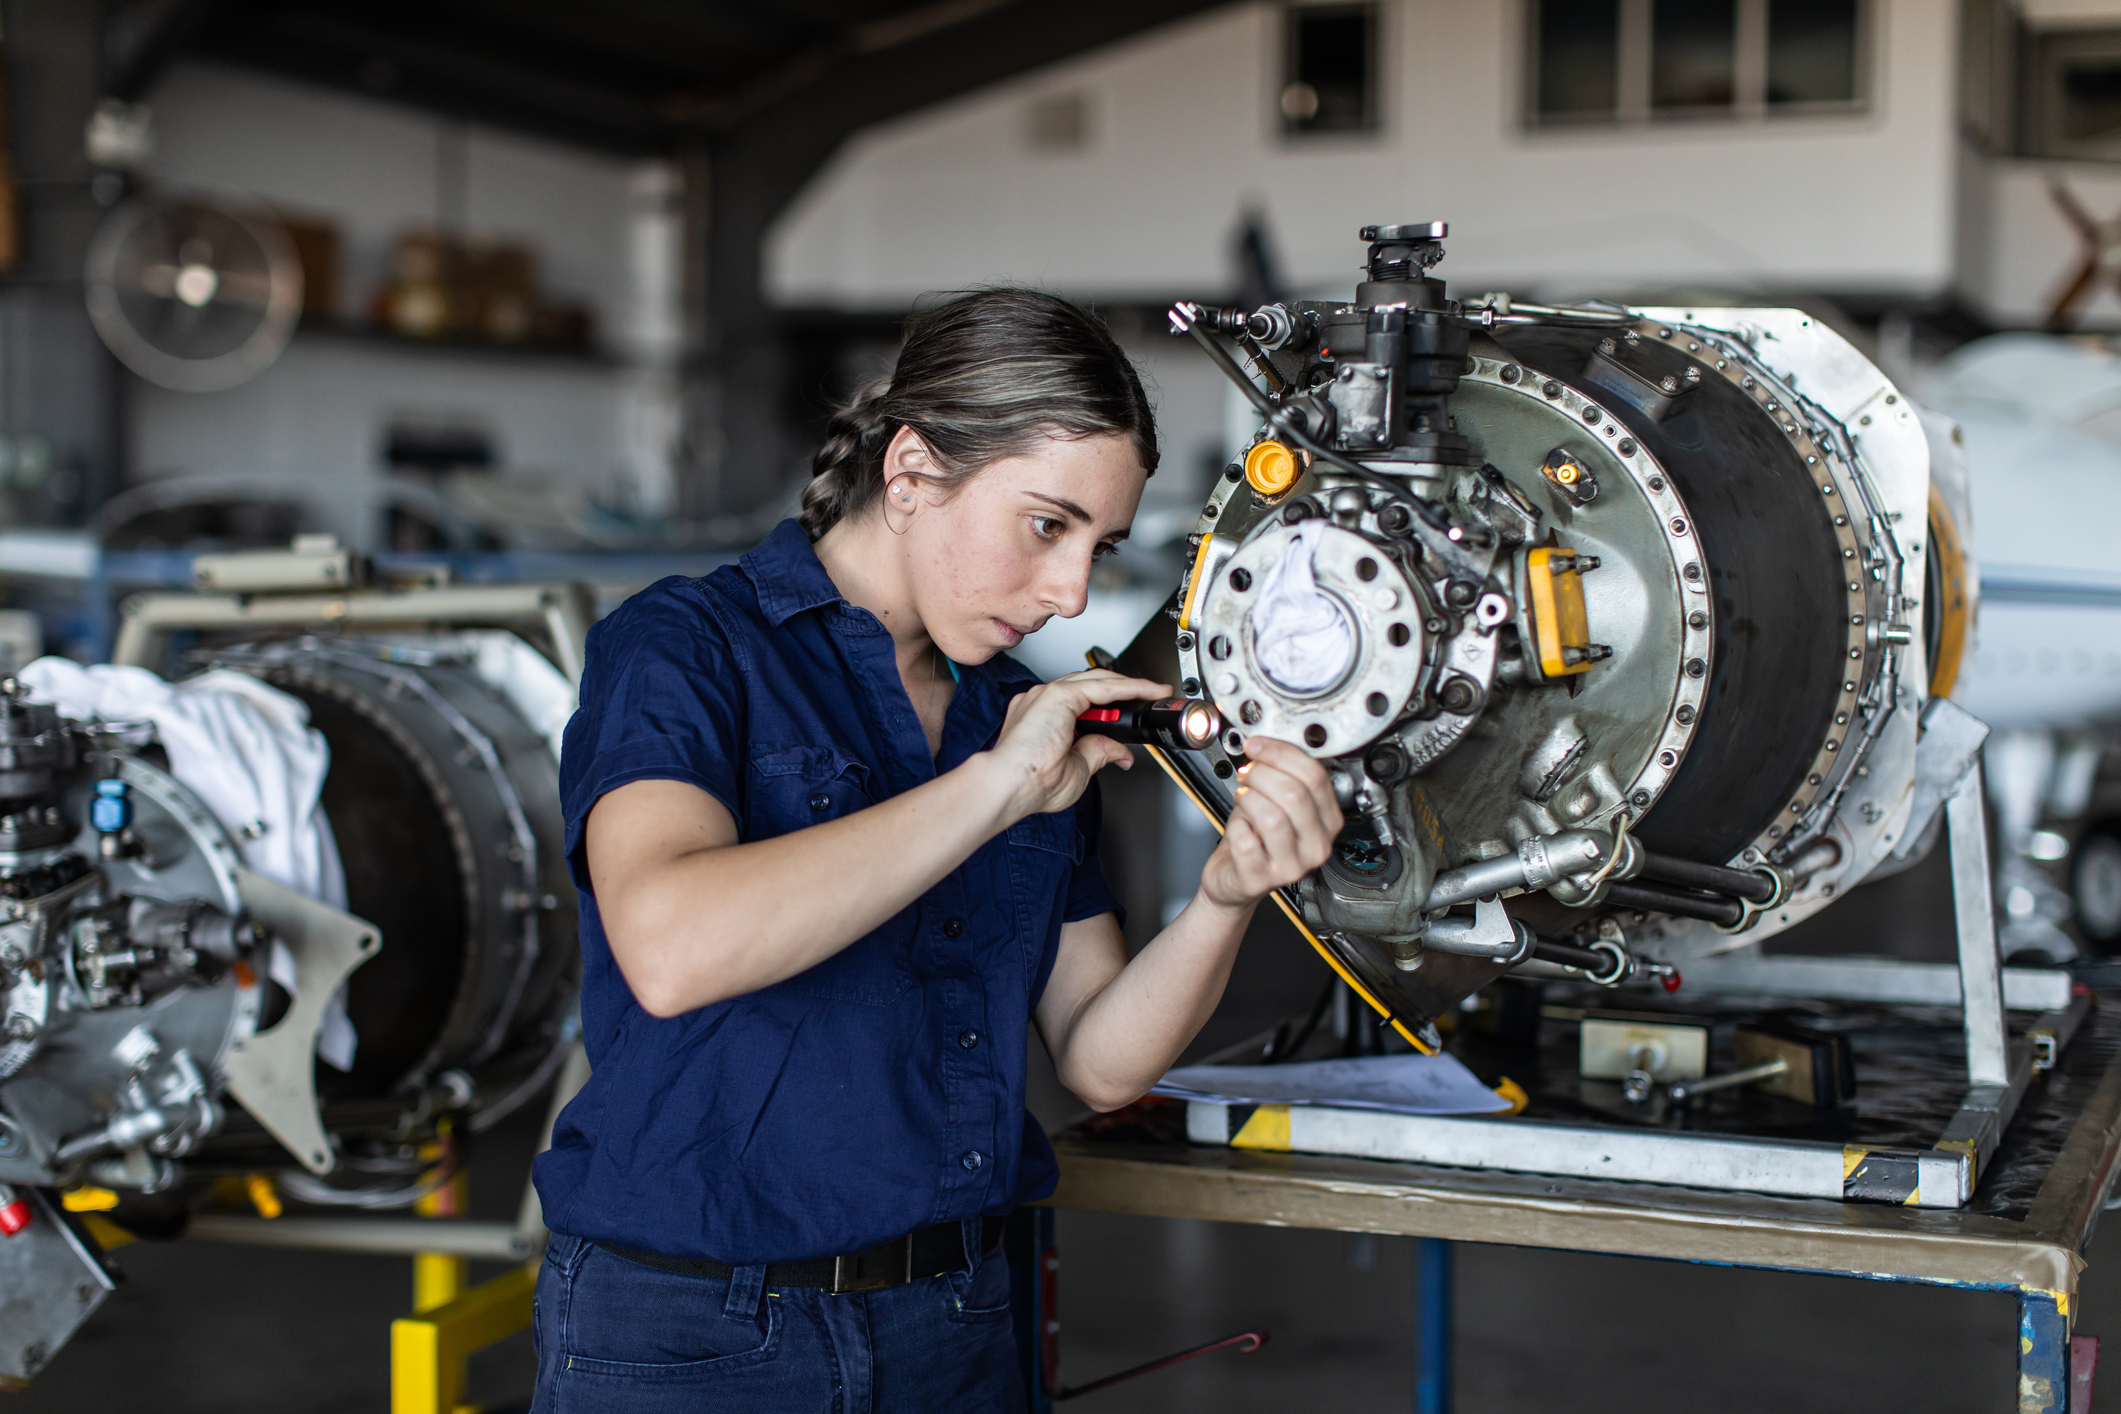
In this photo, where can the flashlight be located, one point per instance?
(1175, 723)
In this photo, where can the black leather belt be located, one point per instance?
(918, 1255)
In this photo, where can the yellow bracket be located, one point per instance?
(1197, 585)
(428, 1348)
(1559, 620)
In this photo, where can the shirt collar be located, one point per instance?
(788, 574)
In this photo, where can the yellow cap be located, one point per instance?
(1272, 468)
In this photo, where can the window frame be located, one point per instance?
(1373, 125)
(2046, 53)
(1633, 106)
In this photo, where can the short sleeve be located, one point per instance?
(662, 699)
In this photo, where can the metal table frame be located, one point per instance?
(2037, 1258)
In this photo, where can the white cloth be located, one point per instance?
(247, 751)
(1300, 635)
(538, 691)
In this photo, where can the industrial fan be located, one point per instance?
(193, 292)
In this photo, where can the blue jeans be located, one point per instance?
(616, 1337)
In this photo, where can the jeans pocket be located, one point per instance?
(629, 1321)
(981, 1294)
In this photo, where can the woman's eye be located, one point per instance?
(1047, 527)
(1103, 550)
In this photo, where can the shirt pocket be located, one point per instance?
(792, 788)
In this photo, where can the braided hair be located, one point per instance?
(980, 377)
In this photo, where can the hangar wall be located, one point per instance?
(605, 233)
(1179, 121)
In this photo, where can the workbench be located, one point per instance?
(2032, 1214)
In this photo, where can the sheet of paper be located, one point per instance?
(1420, 1085)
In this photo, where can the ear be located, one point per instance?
(906, 463)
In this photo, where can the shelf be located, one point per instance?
(348, 331)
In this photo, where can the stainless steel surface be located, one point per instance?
(1870, 979)
(1980, 965)
(1788, 1168)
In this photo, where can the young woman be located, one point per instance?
(836, 856)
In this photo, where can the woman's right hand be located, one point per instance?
(1045, 766)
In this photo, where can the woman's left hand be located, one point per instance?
(1284, 825)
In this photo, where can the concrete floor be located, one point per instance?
(201, 1329)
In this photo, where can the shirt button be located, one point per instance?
(821, 801)
(953, 927)
(971, 1159)
(968, 1039)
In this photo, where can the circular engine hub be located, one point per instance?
(1312, 634)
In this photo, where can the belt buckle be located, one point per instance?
(888, 1265)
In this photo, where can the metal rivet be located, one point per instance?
(1551, 389)
(1626, 447)
(1695, 667)
(1641, 797)
(1685, 714)
(1678, 525)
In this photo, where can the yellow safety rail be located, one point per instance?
(428, 1348)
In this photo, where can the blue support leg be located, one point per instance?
(1033, 1253)
(1433, 1300)
(2043, 1355)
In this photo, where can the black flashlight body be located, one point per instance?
(1175, 723)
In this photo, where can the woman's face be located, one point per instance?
(1012, 547)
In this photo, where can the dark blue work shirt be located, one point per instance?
(882, 1090)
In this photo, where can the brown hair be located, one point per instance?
(981, 377)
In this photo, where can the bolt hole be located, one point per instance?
(1398, 636)
(1378, 704)
(1314, 736)
(1250, 713)
(1223, 769)
(1218, 648)
(1366, 569)
(1240, 580)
